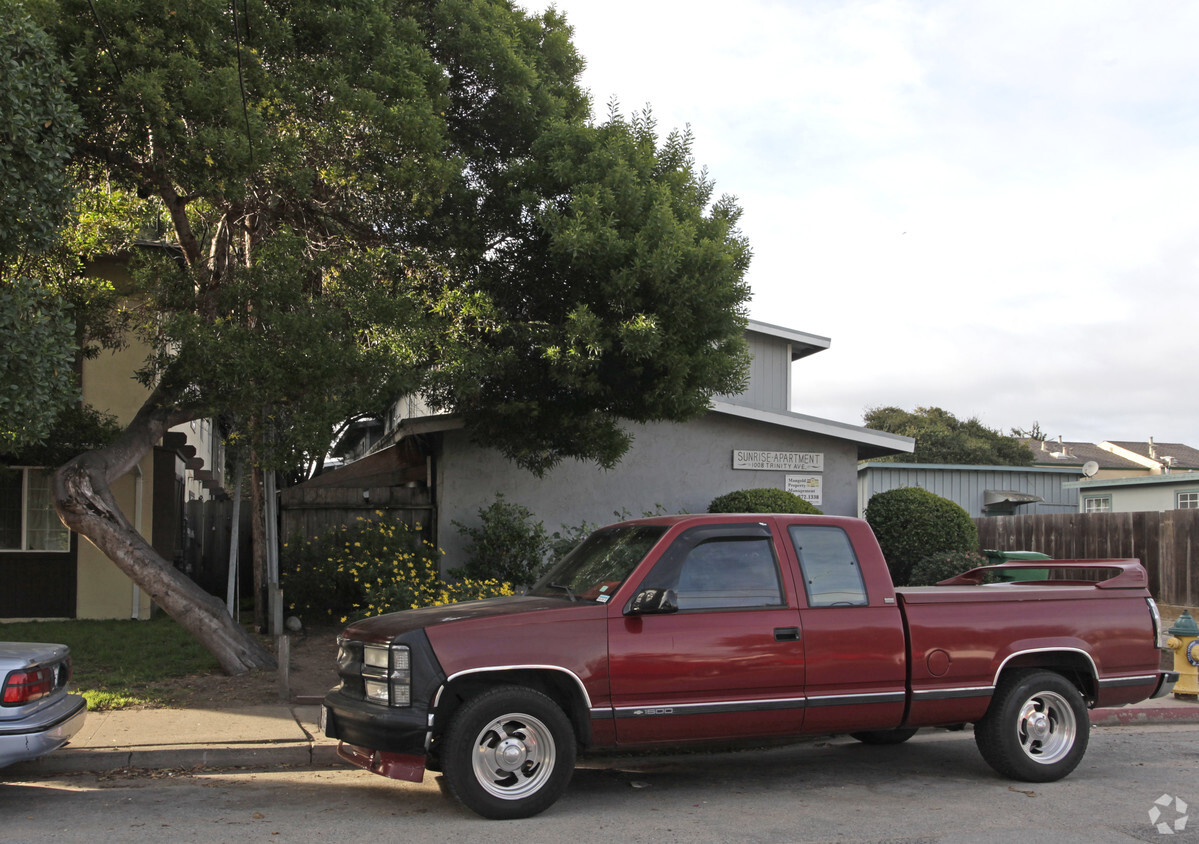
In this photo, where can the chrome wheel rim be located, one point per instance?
(1046, 727)
(514, 756)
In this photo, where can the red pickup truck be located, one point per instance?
(716, 628)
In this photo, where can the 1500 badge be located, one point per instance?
(657, 710)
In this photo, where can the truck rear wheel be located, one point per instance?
(1036, 728)
(508, 753)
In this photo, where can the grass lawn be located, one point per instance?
(117, 664)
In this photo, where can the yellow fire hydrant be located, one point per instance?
(1184, 641)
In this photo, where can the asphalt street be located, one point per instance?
(935, 788)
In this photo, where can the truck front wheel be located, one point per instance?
(1036, 728)
(508, 753)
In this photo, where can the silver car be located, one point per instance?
(36, 713)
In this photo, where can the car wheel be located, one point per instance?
(882, 737)
(508, 753)
(1036, 728)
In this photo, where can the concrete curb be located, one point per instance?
(1131, 716)
(72, 760)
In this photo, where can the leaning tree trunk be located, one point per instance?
(85, 503)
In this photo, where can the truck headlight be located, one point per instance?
(387, 674)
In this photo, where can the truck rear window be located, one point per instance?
(831, 574)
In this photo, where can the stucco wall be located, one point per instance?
(104, 591)
(680, 467)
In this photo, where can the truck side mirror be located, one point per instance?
(654, 602)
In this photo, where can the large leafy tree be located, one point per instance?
(377, 196)
(943, 438)
(38, 122)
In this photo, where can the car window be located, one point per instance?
(721, 573)
(597, 567)
(831, 574)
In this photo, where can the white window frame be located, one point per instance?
(1103, 503)
(1187, 500)
(56, 529)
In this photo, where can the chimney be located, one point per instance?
(1152, 450)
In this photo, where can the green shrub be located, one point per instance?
(368, 568)
(563, 541)
(944, 565)
(507, 545)
(761, 501)
(913, 523)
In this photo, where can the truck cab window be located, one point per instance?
(722, 573)
(831, 574)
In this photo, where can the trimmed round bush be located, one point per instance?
(933, 569)
(913, 523)
(763, 500)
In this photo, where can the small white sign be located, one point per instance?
(778, 461)
(808, 487)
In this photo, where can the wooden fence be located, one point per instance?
(309, 511)
(1166, 543)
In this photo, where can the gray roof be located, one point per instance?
(802, 343)
(1055, 453)
(1143, 480)
(870, 443)
(1184, 456)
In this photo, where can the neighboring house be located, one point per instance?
(979, 490)
(46, 570)
(1050, 485)
(1115, 459)
(426, 465)
(1152, 493)
(1158, 458)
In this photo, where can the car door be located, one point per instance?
(856, 669)
(729, 663)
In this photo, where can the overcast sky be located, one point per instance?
(991, 206)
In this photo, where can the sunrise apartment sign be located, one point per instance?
(808, 486)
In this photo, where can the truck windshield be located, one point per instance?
(594, 570)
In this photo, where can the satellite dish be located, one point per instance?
(1090, 468)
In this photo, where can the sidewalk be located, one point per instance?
(285, 734)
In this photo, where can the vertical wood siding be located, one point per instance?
(769, 374)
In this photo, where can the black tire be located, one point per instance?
(884, 737)
(1036, 728)
(508, 753)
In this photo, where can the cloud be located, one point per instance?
(988, 206)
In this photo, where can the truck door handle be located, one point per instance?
(786, 634)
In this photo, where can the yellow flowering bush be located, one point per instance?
(370, 567)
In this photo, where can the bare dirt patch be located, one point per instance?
(312, 671)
